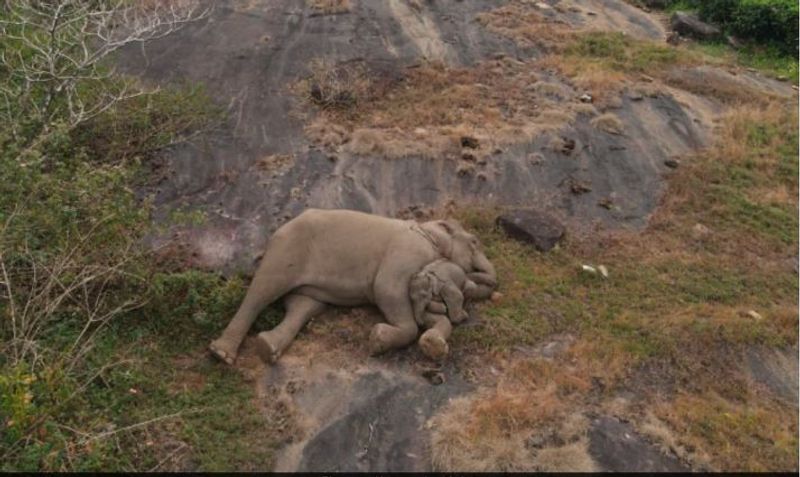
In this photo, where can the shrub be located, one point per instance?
(769, 22)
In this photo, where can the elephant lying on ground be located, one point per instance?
(444, 280)
(348, 258)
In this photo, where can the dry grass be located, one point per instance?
(491, 431)
(608, 122)
(720, 86)
(527, 26)
(275, 162)
(667, 329)
(429, 110)
(572, 457)
(329, 7)
(733, 436)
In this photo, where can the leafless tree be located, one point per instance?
(54, 56)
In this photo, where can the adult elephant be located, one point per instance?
(348, 258)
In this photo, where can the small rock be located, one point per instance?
(316, 92)
(468, 156)
(496, 297)
(688, 24)
(568, 146)
(606, 203)
(579, 187)
(591, 13)
(420, 131)
(497, 151)
(754, 315)
(586, 98)
(543, 6)
(699, 231)
(782, 78)
(534, 227)
(589, 269)
(672, 163)
(536, 158)
(603, 271)
(470, 142)
(636, 96)
(465, 169)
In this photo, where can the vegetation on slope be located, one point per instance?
(93, 335)
(670, 323)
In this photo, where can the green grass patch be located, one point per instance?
(622, 53)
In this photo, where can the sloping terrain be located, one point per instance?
(249, 54)
(447, 105)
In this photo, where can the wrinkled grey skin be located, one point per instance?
(441, 279)
(348, 258)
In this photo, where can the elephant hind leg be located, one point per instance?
(278, 274)
(299, 310)
(433, 342)
(401, 329)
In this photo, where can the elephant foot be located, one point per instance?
(266, 347)
(464, 316)
(380, 339)
(223, 350)
(433, 345)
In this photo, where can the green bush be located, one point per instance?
(768, 22)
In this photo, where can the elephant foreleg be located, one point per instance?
(454, 300)
(433, 342)
(299, 310)
(436, 306)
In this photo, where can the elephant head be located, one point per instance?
(465, 250)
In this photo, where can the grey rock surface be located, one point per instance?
(617, 447)
(248, 54)
(687, 24)
(372, 418)
(531, 226)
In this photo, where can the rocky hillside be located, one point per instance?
(418, 108)
(589, 138)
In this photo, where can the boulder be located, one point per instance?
(687, 24)
(534, 227)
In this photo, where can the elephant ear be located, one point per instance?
(447, 226)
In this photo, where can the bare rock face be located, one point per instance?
(534, 227)
(617, 447)
(687, 24)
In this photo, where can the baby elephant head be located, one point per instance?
(462, 248)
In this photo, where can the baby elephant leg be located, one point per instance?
(434, 341)
(454, 300)
(437, 306)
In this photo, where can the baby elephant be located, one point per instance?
(445, 280)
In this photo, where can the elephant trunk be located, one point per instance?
(484, 275)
